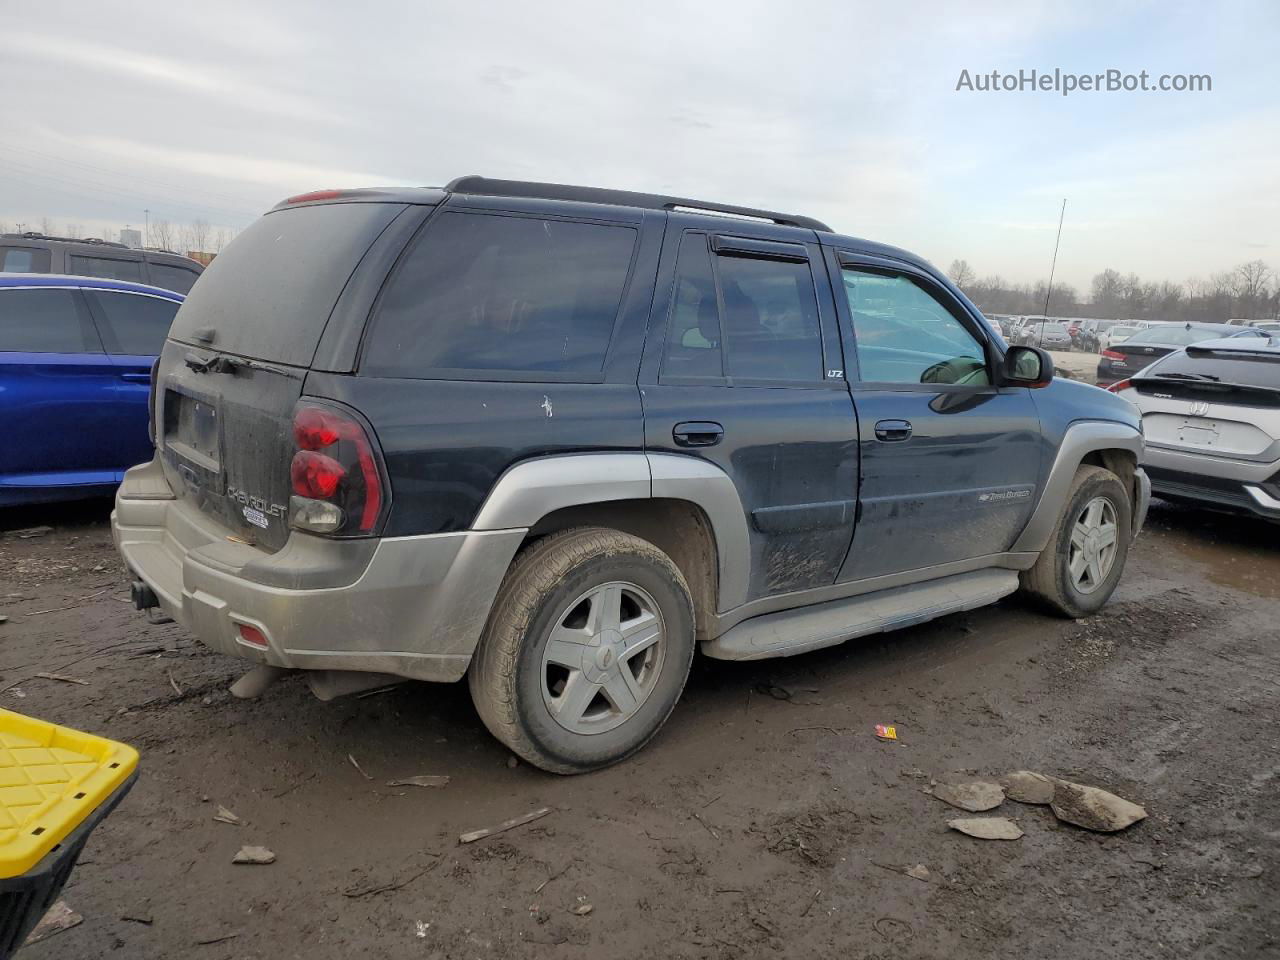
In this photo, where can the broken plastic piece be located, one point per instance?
(886, 731)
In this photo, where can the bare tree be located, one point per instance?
(74, 230)
(195, 237)
(221, 239)
(1251, 284)
(46, 226)
(163, 235)
(4, 227)
(961, 274)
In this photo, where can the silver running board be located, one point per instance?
(789, 632)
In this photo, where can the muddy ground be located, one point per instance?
(752, 826)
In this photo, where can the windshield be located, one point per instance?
(1119, 333)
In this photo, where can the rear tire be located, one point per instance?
(586, 651)
(1080, 567)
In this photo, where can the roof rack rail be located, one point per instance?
(36, 235)
(485, 186)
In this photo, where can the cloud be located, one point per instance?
(845, 111)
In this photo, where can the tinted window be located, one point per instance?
(135, 324)
(167, 277)
(905, 335)
(495, 293)
(23, 260)
(106, 267)
(693, 335)
(770, 319)
(270, 293)
(44, 321)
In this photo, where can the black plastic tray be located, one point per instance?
(26, 898)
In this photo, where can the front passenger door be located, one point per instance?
(950, 462)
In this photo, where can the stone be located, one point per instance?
(254, 855)
(1093, 808)
(987, 828)
(1027, 787)
(974, 797)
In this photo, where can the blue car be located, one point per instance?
(75, 374)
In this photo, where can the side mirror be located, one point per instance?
(1028, 367)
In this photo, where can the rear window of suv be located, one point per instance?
(481, 295)
(270, 293)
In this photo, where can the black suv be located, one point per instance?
(37, 253)
(553, 438)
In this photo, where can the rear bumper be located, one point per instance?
(409, 606)
(1219, 482)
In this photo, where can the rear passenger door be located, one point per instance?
(133, 327)
(58, 386)
(743, 368)
(950, 462)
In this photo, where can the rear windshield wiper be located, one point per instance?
(222, 364)
(1186, 376)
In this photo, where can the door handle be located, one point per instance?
(697, 433)
(893, 430)
(136, 377)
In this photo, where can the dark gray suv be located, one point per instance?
(37, 253)
(555, 439)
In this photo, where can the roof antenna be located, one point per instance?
(1053, 266)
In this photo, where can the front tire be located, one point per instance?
(586, 651)
(1080, 567)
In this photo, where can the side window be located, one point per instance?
(482, 292)
(693, 335)
(770, 319)
(107, 267)
(136, 324)
(45, 321)
(905, 335)
(24, 260)
(169, 277)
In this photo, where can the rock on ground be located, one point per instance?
(974, 797)
(1027, 787)
(1093, 808)
(988, 828)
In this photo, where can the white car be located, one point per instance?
(1116, 334)
(1211, 418)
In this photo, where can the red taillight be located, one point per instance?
(337, 472)
(1120, 385)
(315, 195)
(315, 429)
(315, 475)
(1112, 355)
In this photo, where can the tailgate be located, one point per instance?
(225, 438)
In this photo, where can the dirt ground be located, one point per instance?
(752, 826)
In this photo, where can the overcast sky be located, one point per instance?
(841, 110)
